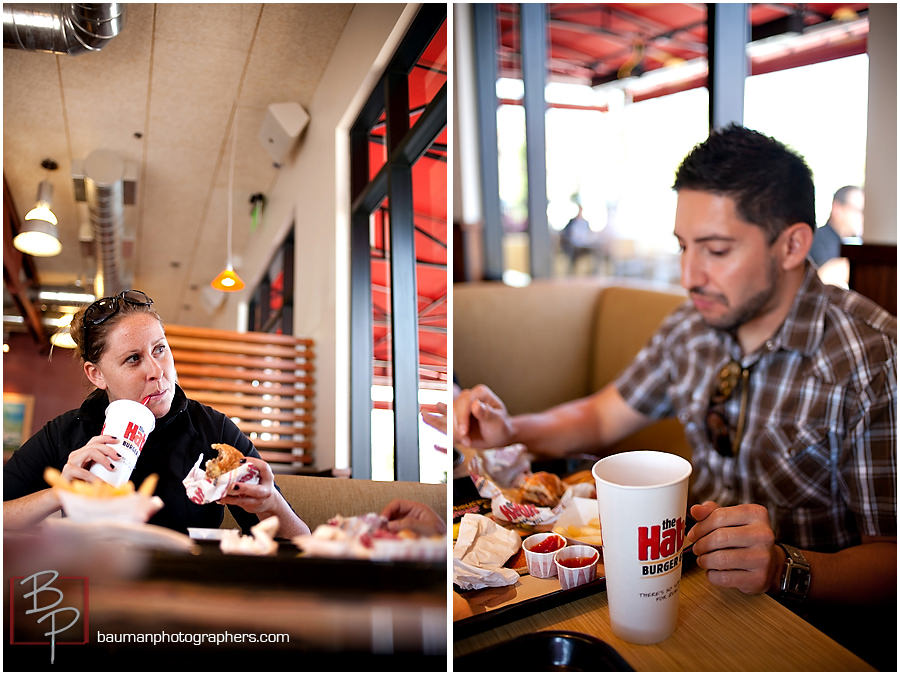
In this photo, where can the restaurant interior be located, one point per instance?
(273, 177)
(553, 105)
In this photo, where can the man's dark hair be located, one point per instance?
(843, 193)
(771, 185)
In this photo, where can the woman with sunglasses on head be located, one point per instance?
(125, 355)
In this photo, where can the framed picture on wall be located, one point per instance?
(17, 413)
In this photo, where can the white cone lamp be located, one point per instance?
(63, 337)
(39, 235)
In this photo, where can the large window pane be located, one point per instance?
(399, 264)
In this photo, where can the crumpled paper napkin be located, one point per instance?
(481, 548)
(260, 541)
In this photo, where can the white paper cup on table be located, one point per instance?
(576, 565)
(131, 422)
(540, 551)
(642, 500)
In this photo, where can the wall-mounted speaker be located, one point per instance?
(281, 128)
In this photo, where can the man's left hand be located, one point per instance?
(736, 546)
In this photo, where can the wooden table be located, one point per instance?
(718, 629)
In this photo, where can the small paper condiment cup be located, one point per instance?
(541, 565)
(570, 577)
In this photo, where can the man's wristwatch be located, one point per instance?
(795, 575)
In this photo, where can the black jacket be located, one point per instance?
(171, 449)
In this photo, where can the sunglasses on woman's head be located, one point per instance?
(101, 310)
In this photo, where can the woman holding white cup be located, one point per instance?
(125, 355)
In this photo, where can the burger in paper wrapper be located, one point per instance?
(213, 482)
(531, 500)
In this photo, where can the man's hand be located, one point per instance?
(480, 419)
(736, 545)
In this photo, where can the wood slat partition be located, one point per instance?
(264, 382)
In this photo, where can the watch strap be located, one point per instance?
(795, 575)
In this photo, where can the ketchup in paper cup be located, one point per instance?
(540, 550)
(576, 565)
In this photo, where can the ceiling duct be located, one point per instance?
(100, 181)
(64, 28)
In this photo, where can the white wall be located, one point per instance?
(312, 192)
(881, 141)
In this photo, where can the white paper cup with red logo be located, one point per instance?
(131, 422)
(576, 565)
(540, 562)
(642, 499)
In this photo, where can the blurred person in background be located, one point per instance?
(577, 239)
(844, 223)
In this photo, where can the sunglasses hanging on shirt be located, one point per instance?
(724, 439)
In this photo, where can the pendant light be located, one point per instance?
(39, 235)
(228, 280)
(63, 337)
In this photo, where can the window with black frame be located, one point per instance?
(271, 307)
(398, 337)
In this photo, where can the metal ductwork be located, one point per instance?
(65, 28)
(100, 181)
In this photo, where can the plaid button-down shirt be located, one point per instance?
(819, 445)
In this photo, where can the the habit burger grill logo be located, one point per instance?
(659, 546)
(133, 438)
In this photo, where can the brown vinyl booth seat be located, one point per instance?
(316, 499)
(556, 340)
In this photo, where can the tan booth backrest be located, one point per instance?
(625, 320)
(531, 345)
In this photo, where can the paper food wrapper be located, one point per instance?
(202, 490)
(481, 549)
(260, 541)
(507, 466)
(514, 465)
(358, 538)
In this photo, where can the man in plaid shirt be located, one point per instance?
(786, 388)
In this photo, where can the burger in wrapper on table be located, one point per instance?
(518, 496)
(211, 483)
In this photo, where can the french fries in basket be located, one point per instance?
(99, 501)
(99, 488)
